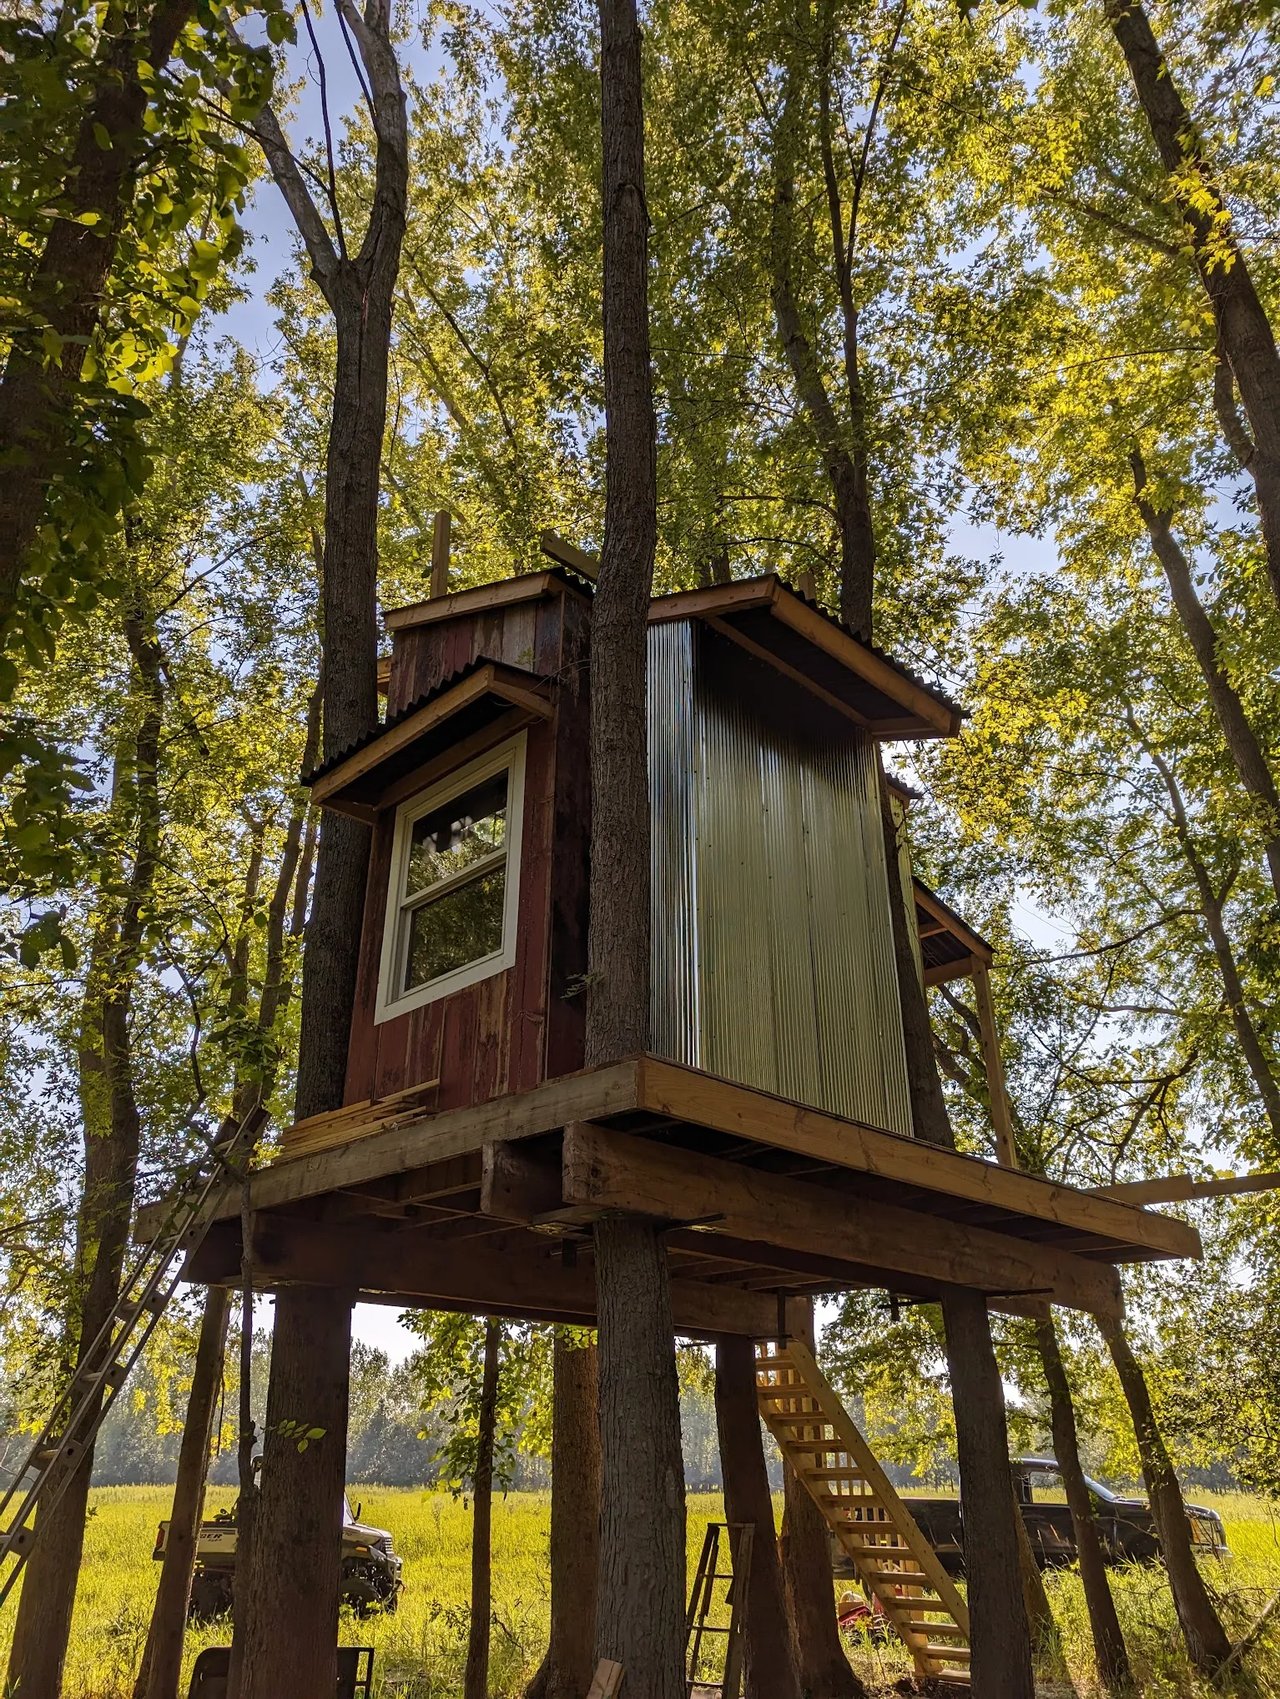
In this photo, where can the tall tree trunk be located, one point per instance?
(1242, 741)
(1045, 1638)
(475, 1680)
(770, 1664)
(68, 283)
(642, 1502)
(807, 1574)
(162, 1658)
(112, 1130)
(997, 1614)
(565, 1671)
(1212, 908)
(1115, 1672)
(846, 475)
(640, 1616)
(1001, 1638)
(289, 1645)
(1245, 335)
(1208, 1645)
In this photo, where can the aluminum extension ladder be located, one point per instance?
(702, 1602)
(145, 1290)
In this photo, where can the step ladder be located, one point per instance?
(738, 1537)
(891, 1556)
(146, 1287)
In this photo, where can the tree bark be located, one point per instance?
(807, 1575)
(1115, 1672)
(642, 1503)
(770, 1663)
(69, 280)
(1256, 1059)
(565, 1671)
(640, 1622)
(162, 1658)
(304, 1466)
(1000, 1634)
(112, 1131)
(288, 1644)
(475, 1680)
(1245, 335)
(998, 1618)
(1208, 1645)
(1242, 741)
(846, 474)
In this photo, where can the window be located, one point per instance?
(452, 904)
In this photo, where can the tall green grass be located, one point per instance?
(421, 1649)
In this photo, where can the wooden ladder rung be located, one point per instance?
(955, 1654)
(948, 1630)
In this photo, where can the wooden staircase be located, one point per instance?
(873, 1525)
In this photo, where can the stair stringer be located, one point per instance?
(918, 1597)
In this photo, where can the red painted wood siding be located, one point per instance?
(517, 1027)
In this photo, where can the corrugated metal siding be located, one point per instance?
(675, 1021)
(773, 956)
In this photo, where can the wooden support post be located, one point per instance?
(440, 534)
(1001, 1119)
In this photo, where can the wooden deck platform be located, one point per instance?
(489, 1207)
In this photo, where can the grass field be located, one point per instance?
(421, 1647)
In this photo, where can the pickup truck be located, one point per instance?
(370, 1574)
(1125, 1524)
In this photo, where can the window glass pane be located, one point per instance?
(458, 833)
(460, 927)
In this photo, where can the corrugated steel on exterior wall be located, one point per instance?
(772, 950)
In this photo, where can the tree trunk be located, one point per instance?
(1208, 1645)
(770, 1663)
(1245, 335)
(807, 1575)
(642, 1568)
(640, 1619)
(1114, 1669)
(1242, 742)
(1045, 1638)
(1256, 1059)
(162, 1659)
(1001, 1637)
(287, 1644)
(998, 1618)
(112, 1131)
(69, 280)
(846, 474)
(565, 1671)
(475, 1681)
(290, 1642)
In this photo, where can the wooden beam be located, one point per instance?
(1182, 1188)
(993, 1063)
(528, 587)
(588, 1095)
(941, 972)
(577, 560)
(516, 1274)
(947, 920)
(440, 552)
(684, 1094)
(604, 1170)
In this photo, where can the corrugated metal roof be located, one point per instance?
(423, 701)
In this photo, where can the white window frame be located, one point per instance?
(395, 929)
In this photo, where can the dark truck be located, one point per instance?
(370, 1574)
(1125, 1524)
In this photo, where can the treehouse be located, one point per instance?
(769, 1123)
